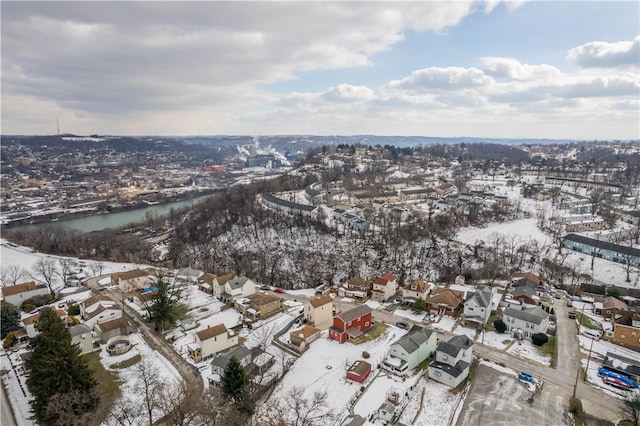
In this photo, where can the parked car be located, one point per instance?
(265, 287)
(572, 315)
(278, 290)
(403, 325)
(557, 296)
(569, 304)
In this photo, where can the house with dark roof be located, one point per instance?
(410, 350)
(239, 286)
(221, 360)
(16, 294)
(477, 308)
(517, 277)
(603, 249)
(356, 287)
(525, 322)
(288, 207)
(623, 365)
(210, 341)
(205, 282)
(526, 294)
(452, 361)
(351, 324)
(605, 305)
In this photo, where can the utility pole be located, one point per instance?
(586, 371)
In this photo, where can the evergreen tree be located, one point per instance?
(57, 373)
(163, 307)
(9, 318)
(236, 386)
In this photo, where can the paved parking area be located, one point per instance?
(500, 399)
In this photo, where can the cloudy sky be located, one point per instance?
(539, 69)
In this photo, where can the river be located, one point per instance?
(112, 220)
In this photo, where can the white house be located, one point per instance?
(319, 311)
(525, 322)
(384, 287)
(410, 350)
(211, 341)
(81, 336)
(135, 279)
(16, 294)
(238, 287)
(100, 313)
(477, 308)
(30, 322)
(453, 359)
(415, 289)
(219, 283)
(91, 304)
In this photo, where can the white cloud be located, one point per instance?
(514, 69)
(433, 78)
(604, 54)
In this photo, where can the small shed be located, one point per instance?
(359, 371)
(386, 410)
(304, 336)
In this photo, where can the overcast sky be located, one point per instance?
(519, 70)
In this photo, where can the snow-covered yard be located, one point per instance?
(526, 349)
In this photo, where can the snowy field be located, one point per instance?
(525, 229)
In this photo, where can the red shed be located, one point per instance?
(359, 371)
(352, 323)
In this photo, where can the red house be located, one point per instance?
(352, 324)
(359, 371)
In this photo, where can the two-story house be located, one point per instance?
(16, 294)
(415, 289)
(453, 359)
(219, 284)
(205, 282)
(237, 287)
(210, 341)
(319, 311)
(133, 280)
(525, 322)
(351, 324)
(384, 287)
(410, 350)
(221, 360)
(89, 305)
(626, 329)
(477, 308)
(258, 305)
(357, 288)
(445, 301)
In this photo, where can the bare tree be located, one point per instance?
(631, 409)
(45, 271)
(596, 197)
(609, 216)
(296, 410)
(64, 270)
(263, 335)
(97, 268)
(12, 275)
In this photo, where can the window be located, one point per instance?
(366, 324)
(633, 334)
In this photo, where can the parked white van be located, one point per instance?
(591, 333)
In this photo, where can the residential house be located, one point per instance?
(356, 287)
(626, 328)
(219, 284)
(415, 289)
(319, 311)
(525, 322)
(477, 308)
(102, 313)
(445, 301)
(606, 305)
(452, 361)
(351, 324)
(410, 350)
(30, 322)
(189, 275)
(359, 371)
(384, 287)
(112, 328)
(82, 337)
(205, 282)
(386, 412)
(623, 365)
(237, 287)
(89, 305)
(221, 360)
(136, 279)
(210, 341)
(258, 305)
(16, 294)
(526, 294)
(303, 336)
(519, 276)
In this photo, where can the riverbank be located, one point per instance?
(111, 215)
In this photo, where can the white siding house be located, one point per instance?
(453, 359)
(410, 350)
(525, 322)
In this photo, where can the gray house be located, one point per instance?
(603, 249)
(410, 350)
(81, 335)
(453, 359)
(221, 360)
(477, 308)
(525, 322)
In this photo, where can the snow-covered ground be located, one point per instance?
(526, 349)
(525, 229)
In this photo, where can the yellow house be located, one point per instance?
(319, 311)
